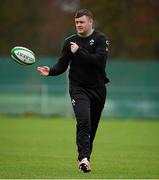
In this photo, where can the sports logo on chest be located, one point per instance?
(91, 42)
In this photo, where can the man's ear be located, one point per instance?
(91, 21)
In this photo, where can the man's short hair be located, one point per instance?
(84, 12)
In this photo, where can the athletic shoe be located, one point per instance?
(84, 165)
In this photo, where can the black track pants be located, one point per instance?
(87, 105)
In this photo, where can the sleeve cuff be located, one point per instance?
(51, 72)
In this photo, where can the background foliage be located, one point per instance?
(131, 26)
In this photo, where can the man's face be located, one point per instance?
(83, 25)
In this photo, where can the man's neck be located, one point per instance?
(87, 35)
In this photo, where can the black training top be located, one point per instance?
(87, 64)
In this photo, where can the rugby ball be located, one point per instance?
(23, 55)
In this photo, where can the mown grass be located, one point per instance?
(45, 148)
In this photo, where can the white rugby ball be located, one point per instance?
(23, 55)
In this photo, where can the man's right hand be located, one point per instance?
(44, 70)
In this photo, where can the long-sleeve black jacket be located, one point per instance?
(87, 64)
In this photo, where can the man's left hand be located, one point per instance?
(73, 47)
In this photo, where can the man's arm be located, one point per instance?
(59, 67)
(100, 54)
(62, 63)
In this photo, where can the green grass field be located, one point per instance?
(45, 148)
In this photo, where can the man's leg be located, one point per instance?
(95, 118)
(81, 106)
(97, 105)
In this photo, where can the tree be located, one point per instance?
(131, 26)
